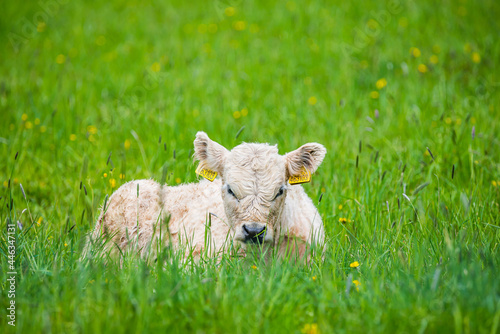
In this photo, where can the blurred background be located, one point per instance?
(403, 94)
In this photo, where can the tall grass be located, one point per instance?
(101, 93)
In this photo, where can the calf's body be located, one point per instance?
(251, 194)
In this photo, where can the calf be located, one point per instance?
(256, 201)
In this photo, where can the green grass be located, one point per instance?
(304, 71)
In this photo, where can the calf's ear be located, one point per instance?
(309, 156)
(211, 155)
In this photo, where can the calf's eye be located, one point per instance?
(280, 192)
(231, 192)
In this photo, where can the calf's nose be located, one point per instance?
(253, 233)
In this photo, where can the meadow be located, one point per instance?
(403, 94)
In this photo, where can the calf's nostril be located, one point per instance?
(254, 233)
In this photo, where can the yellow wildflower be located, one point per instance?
(28, 125)
(236, 114)
(239, 25)
(230, 11)
(422, 68)
(112, 182)
(340, 206)
(476, 57)
(105, 175)
(434, 59)
(60, 59)
(355, 264)
(122, 176)
(494, 183)
(155, 67)
(403, 22)
(357, 284)
(447, 120)
(65, 245)
(39, 221)
(244, 112)
(72, 137)
(343, 220)
(92, 129)
(381, 83)
(314, 278)
(126, 144)
(312, 100)
(177, 180)
(374, 94)
(43, 128)
(37, 121)
(254, 267)
(415, 52)
(24, 117)
(310, 329)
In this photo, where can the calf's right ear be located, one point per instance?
(211, 155)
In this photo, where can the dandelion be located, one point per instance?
(126, 144)
(254, 267)
(447, 120)
(415, 52)
(72, 137)
(112, 182)
(60, 59)
(65, 245)
(41, 27)
(374, 94)
(357, 284)
(236, 114)
(155, 67)
(476, 57)
(230, 11)
(239, 25)
(39, 221)
(310, 329)
(422, 68)
(24, 117)
(434, 59)
(403, 22)
(122, 176)
(244, 112)
(494, 183)
(28, 125)
(177, 180)
(381, 83)
(312, 100)
(92, 129)
(340, 206)
(105, 175)
(314, 278)
(343, 220)
(355, 264)
(5, 184)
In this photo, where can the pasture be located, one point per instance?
(404, 95)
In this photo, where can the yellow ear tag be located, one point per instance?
(208, 174)
(303, 177)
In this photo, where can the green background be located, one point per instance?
(403, 94)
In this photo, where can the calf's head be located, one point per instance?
(255, 183)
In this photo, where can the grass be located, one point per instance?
(100, 93)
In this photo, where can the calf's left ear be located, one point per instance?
(310, 156)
